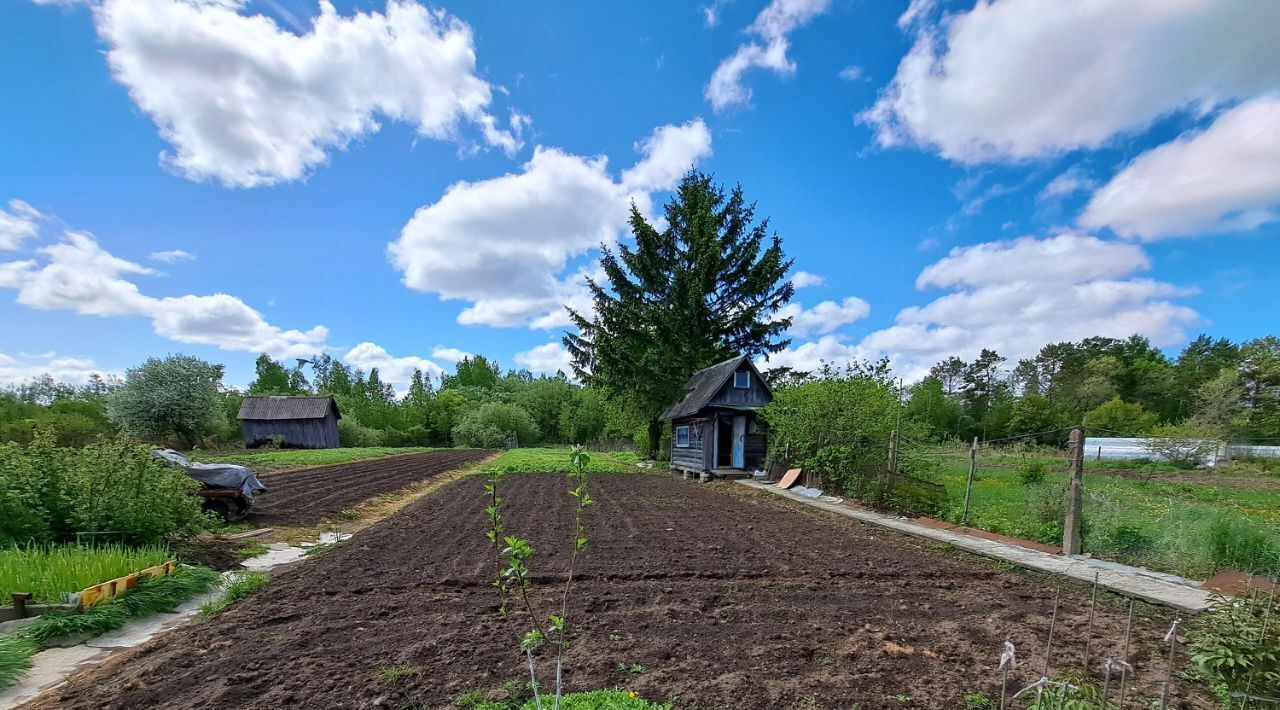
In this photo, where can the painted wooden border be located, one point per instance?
(98, 592)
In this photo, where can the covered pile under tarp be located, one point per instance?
(218, 475)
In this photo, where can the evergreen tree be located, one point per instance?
(701, 290)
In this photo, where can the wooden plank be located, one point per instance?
(789, 478)
(251, 533)
(98, 592)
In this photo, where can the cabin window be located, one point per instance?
(742, 380)
(682, 437)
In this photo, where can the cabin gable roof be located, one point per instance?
(276, 407)
(708, 382)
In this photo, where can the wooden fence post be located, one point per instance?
(968, 489)
(1075, 493)
(893, 451)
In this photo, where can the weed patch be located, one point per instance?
(237, 586)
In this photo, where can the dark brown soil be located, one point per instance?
(712, 595)
(308, 496)
(220, 554)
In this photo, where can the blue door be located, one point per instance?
(740, 441)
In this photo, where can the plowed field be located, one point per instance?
(306, 497)
(710, 596)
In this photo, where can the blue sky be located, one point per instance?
(398, 184)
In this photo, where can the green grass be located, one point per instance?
(235, 587)
(1192, 529)
(392, 674)
(282, 459)
(151, 596)
(556, 460)
(593, 700)
(48, 571)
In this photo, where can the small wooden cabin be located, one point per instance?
(715, 429)
(302, 422)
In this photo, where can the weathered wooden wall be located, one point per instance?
(756, 395)
(696, 455)
(297, 433)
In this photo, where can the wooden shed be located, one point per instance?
(715, 428)
(303, 422)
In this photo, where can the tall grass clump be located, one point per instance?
(49, 493)
(234, 588)
(46, 571)
(15, 657)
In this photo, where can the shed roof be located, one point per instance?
(704, 384)
(287, 407)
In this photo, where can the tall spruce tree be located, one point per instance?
(705, 288)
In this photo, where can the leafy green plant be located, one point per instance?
(1070, 691)
(978, 701)
(512, 575)
(1031, 471)
(1237, 644)
(635, 668)
(235, 587)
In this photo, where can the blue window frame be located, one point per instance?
(742, 380)
(682, 436)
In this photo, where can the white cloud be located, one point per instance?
(1016, 296)
(71, 370)
(853, 72)
(18, 223)
(810, 356)
(916, 12)
(171, 256)
(396, 370)
(773, 25)
(824, 317)
(444, 354)
(548, 358)
(502, 244)
(805, 279)
(246, 102)
(1068, 182)
(1224, 178)
(1018, 79)
(78, 275)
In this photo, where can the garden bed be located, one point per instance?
(704, 595)
(299, 498)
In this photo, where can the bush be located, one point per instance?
(1031, 471)
(493, 425)
(1182, 445)
(352, 434)
(49, 493)
(1235, 644)
(1047, 509)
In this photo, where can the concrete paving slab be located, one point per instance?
(274, 558)
(48, 669)
(1127, 581)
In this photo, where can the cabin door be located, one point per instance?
(739, 441)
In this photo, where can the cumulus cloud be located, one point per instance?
(773, 25)
(1015, 296)
(809, 356)
(78, 275)
(245, 102)
(805, 279)
(16, 370)
(824, 317)
(548, 358)
(502, 244)
(171, 256)
(444, 354)
(17, 224)
(1224, 178)
(396, 370)
(1019, 79)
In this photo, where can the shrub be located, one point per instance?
(494, 424)
(352, 434)
(178, 396)
(49, 493)
(1031, 471)
(1182, 445)
(1047, 508)
(1237, 645)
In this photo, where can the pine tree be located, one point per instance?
(701, 290)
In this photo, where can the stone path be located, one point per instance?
(1153, 587)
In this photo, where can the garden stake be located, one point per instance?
(1124, 677)
(1008, 660)
(1172, 638)
(1088, 636)
(1053, 621)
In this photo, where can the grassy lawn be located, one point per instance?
(47, 571)
(556, 460)
(281, 459)
(1193, 529)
